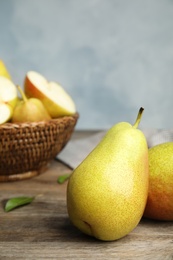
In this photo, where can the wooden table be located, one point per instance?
(42, 230)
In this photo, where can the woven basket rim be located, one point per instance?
(10, 125)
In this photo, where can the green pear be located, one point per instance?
(29, 110)
(160, 195)
(107, 192)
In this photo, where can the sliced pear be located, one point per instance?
(8, 91)
(6, 112)
(56, 100)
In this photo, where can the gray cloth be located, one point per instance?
(76, 150)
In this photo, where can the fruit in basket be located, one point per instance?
(54, 97)
(8, 99)
(8, 91)
(3, 70)
(29, 110)
(160, 197)
(6, 112)
(107, 192)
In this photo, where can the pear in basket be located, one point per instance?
(54, 97)
(8, 99)
(29, 110)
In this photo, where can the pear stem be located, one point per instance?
(139, 116)
(22, 94)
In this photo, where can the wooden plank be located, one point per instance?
(42, 230)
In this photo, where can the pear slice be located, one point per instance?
(56, 100)
(6, 112)
(8, 91)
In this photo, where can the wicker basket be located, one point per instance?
(27, 148)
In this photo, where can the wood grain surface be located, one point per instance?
(42, 230)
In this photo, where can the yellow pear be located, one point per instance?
(107, 192)
(3, 70)
(29, 110)
(160, 196)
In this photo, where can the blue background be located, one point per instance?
(112, 56)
